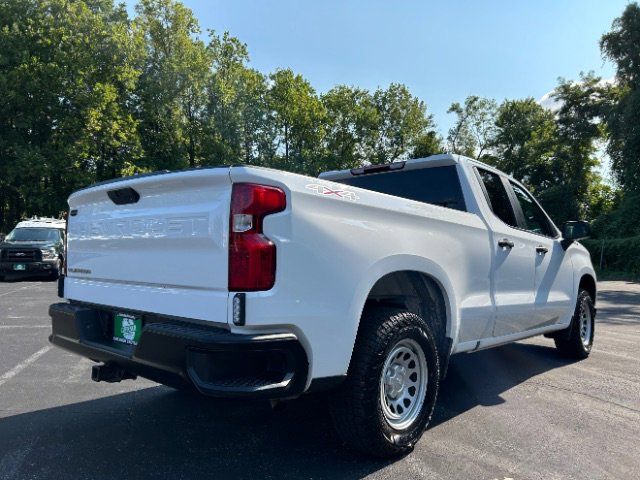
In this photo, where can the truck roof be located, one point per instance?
(439, 160)
(432, 161)
(41, 222)
(442, 159)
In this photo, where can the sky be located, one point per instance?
(442, 50)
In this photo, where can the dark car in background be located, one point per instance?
(34, 247)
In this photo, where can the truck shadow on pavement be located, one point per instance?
(17, 278)
(160, 433)
(617, 307)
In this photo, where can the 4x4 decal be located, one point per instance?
(324, 190)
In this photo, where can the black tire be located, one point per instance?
(577, 340)
(55, 273)
(356, 407)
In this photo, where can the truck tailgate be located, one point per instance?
(164, 252)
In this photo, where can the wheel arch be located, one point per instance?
(588, 283)
(417, 285)
(415, 292)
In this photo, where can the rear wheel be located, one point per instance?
(390, 392)
(577, 340)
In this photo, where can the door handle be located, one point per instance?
(542, 249)
(506, 243)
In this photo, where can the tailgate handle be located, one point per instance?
(123, 196)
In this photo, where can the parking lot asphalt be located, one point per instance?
(518, 411)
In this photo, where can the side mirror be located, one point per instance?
(575, 230)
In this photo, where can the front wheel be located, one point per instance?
(577, 340)
(390, 392)
(55, 272)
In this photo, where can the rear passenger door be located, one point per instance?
(513, 263)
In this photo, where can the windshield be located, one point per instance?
(33, 235)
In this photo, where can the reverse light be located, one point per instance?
(238, 309)
(242, 223)
(252, 256)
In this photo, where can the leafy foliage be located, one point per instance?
(68, 72)
(553, 153)
(171, 91)
(524, 142)
(87, 94)
(474, 129)
(621, 113)
(618, 254)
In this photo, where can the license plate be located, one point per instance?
(19, 266)
(127, 328)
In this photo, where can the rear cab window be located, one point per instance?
(433, 185)
(497, 197)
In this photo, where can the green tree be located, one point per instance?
(298, 116)
(622, 111)
(427, 144)
(89, 94)
(555, 154)
(238, 115)
(67, 76)
(474, 129)
(524, 142)
(172, 88)
(351, 124)
(578, 130)
(401, 125)
(388, 125)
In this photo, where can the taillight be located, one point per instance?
(252, 256)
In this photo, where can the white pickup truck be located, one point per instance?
(246, 281)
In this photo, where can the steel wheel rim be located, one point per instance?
(403, 384)
(586, 321)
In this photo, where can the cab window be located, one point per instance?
(534, 218)
(497, 197)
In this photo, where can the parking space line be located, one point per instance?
(22, 365)
(14, 291)
(24, 326)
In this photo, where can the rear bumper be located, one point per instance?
(182, 353)
(29, 267)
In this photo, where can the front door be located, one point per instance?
(553, 285)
